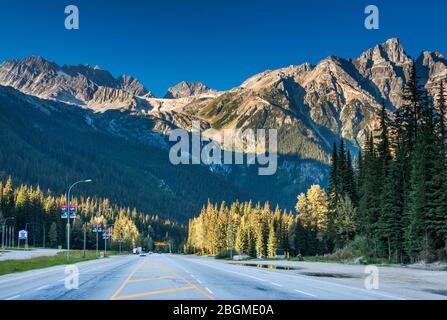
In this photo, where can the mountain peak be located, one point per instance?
(391, 50)
(36, 63)
(186, 89)
(74, 84)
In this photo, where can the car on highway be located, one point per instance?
(142, 254)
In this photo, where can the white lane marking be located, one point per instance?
(207, 289)
(197, 279)
(43, 287)
(14, 297)
(309, 279)
(305, 293)
(276, 284)
(184, 270)
(238, 273)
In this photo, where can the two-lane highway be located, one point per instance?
(97, 279)
(175, 277)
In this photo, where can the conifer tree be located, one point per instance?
(52, 235)
(271, 250)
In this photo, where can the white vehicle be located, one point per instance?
(142, 254)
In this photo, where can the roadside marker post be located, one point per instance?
(106, 236)
(97, 228)
(23, 235)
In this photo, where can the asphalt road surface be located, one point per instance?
(175, 277)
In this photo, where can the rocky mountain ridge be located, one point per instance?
(311, 105)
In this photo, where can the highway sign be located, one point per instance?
(106, 234)
(64, 211)
(23, 234)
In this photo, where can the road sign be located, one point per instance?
(106, 235)
(64, 211)
(23, 234)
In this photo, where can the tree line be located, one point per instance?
(40, 213)
(396, 196)
(258, 230)
(390, 199)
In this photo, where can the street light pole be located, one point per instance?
(68, 215)
(97, 250)
(44, 234)
(85, 237)
(105, 246)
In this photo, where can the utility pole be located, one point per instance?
(97, 252)
(97, 228)
(120, 240)
(4, 231)
(10, 236)
(106, 235)
(105, 244)
(26, 240)
(110, 237)
(44, 233)
(85, 237)
(68, 215)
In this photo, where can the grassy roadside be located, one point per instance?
(11, 266)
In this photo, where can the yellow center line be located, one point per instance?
(117, 292)
(203, 292)
(129, 279)
(151, 279)
(149, 293)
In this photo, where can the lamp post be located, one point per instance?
(44, 235)
(68, 215)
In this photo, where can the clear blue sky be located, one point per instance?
(220, 43)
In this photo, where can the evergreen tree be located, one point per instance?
(420, 213)
(383, 145)
(389, 228)
(345, 220)
(271, 250)
(369, 203)
(334, 178)
(52, 235)
(441, 107)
